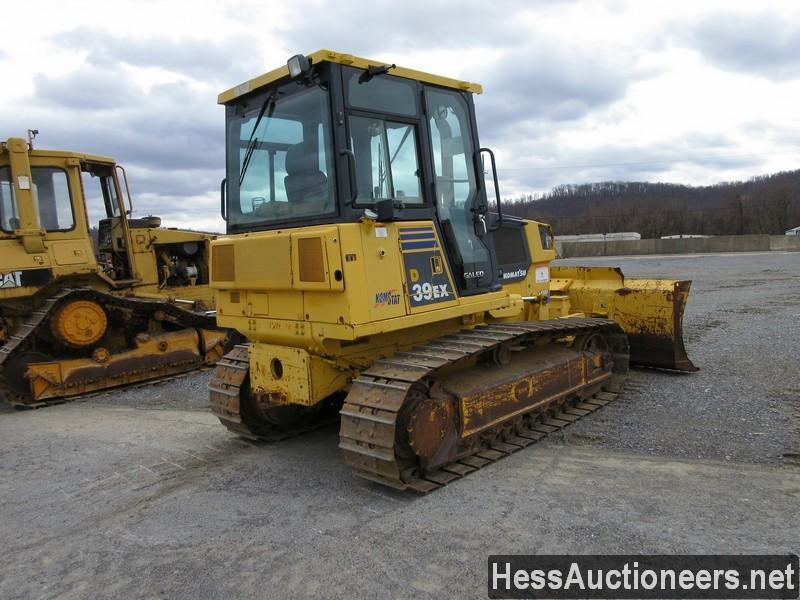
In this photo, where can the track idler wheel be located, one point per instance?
(79, 323)
(596, 344)
(430, 427)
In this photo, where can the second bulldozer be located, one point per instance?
(368, 269)
(82, 312)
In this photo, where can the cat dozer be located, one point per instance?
(83, 309)
(368, 262)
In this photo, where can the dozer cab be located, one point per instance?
(82, 309)
(370, 270)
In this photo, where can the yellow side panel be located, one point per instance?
(286, 305)
(261, 262)
(382, 270)
(292, 375)
(257, 304)
(70, 253)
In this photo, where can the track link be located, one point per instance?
(372, 408)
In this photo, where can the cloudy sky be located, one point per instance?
(690, 92)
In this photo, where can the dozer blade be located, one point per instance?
(649, 310)
(651, 313)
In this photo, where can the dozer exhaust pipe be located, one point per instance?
(649, 310)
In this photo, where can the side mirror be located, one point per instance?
(496, 188)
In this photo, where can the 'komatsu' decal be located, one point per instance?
(517, 274)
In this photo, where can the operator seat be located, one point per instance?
(306, 185)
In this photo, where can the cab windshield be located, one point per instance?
(280, 157)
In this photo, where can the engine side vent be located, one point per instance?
(310, 259)
(223, 263)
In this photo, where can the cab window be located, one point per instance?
(100, 192)
(386, 160)
(9, 215)
(280, 158)
(380, 93)
(456, 181)
(50, 189)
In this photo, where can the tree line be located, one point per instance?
(764, 204)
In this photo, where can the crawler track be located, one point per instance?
(371, 412)
(25, 339)
(225, 389)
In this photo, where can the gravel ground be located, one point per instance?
(141, 493)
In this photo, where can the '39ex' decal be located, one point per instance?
(426, 278)
(429, 291)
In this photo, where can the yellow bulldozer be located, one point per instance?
(375, 274)
(84, 309)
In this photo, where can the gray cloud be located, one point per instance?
(384, 26)
(615, 162)
(766, 44)
(169, 136)
(228, 60)
(88, 88)
(169, 126)
(560, 83)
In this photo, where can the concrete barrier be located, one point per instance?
(720, 243)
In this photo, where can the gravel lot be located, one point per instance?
(141, 493)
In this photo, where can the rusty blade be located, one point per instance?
(657, 339)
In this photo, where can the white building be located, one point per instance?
(795, 231)
(600, 237)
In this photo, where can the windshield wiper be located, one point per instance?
(253, 141)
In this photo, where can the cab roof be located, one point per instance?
(81, 156)
(36, 152)
(350, 60)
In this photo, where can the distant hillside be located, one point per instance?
(765, 204)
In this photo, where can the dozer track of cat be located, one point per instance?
(137, 339)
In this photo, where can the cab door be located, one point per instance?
(58, 202)
(460, 195)
(106, 212)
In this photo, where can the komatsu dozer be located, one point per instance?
(82, 309)
(371, 271)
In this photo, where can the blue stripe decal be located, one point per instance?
(417, 245)
(416, 236)
(416, 229)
